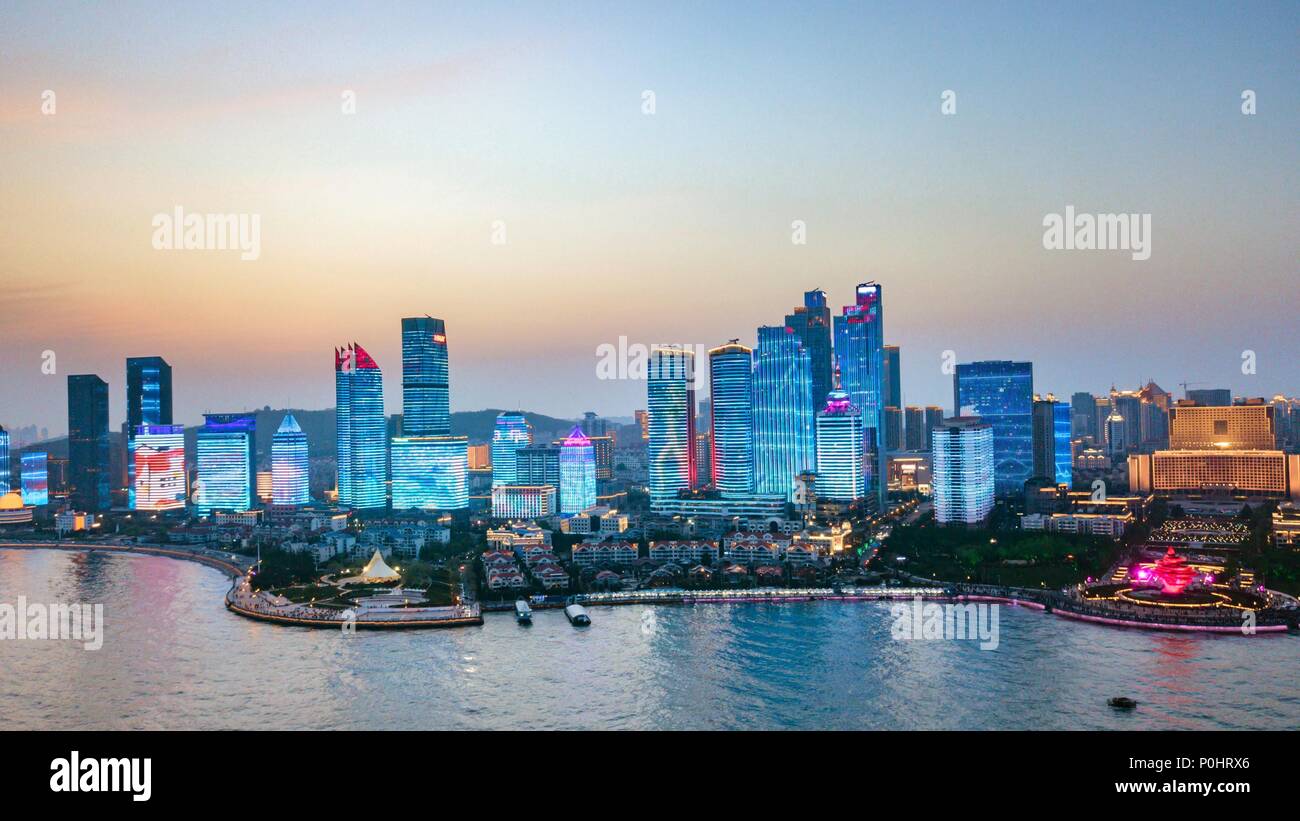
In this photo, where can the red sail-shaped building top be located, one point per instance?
(363, 360)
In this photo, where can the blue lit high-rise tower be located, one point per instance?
(426, 406)
(361, 429)
(511, 433)
(812, 325)
(860, 359)
(784, 426)
(577, 473)
(430, 473)
(4, 461)
(148, 402)
(841, 473)
(290, 468)
(961, 459)
(1002, 394)
(670, 401)
(731, 386)
(225, 453)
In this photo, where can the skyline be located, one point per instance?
(620, 223)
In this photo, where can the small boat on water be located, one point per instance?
(523, 613)
(1122, 702)
(577, 615)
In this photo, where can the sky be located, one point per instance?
(528, 122)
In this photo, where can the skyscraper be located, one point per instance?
(35, 478)
(290, 468)
(962, 471)
(731, 385)
(915, 429)
(1051, 436)
(784, 423)
(841, 474)
(1083, 416)
(360, 429)
(88, 444)
(893, 381)
(1002, 394)
(5, 481)
(426, 406)
(510, 433)
(594, 425)
(860, 358)
(430, 472)
(538, 465)
(225, 453)
(159, 468)
(933, 419)
(577, 473)
(893, 428)
(670, 426)
(148, 402)
(812, 325)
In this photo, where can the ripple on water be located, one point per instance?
(175, 658)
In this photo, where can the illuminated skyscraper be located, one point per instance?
(159, 468)
(784, 423)
(577, 473)
(1051, 432)
(426, 406)
(1002, 394)
(670, 451)
(731, 386)
(226, 459)
(36, 478)
(860, 357)
(88, 444)
(4, 461)
(841, 475)
(290, 467)
(961, 471)
(430, 472)
(361, 429)
(511, 433)
(812, 325)
(148, 402)
(538, 465)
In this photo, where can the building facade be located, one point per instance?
(784, 422)
(1002, 394)
(962, 471)
(670, 448)
(732, 417)
(361, 429)
(290, 467)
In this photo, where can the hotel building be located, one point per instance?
(962, 471)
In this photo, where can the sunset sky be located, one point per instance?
(671, 227)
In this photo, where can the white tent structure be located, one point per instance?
(377, 571)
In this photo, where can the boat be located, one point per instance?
(1122, 702)
(577, 615)
(523, 613)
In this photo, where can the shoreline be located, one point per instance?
(936, 592)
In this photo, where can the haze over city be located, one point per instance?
(673, 226)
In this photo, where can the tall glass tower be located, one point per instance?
(430, 473)
(36, 478)
(577, 473)
(511, 433)
(961, 460)
(159, 472)
(812, 325)
(88, 444)
(426, 408)
(225, 455)
(670, 398)
(361, 429)
(5, 481)
(784, 424)
(860, 358)
(1002, 394)
(148, 402)
(841, 476)
(731, 386)
(290, 468)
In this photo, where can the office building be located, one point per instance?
(148, 402)
(523, 501)
(915, 431)
(784, 421)
(89, 465)
(158, 468)
(893, 379)
(361, 429)
(1002, 394)
(860, 360)
(841, 460)
(962, 471)
(430, 473)
(1051, 435)
(670, 449)
(226, 456)
(35, 478)
(577, 473)
(731, 385)
(1211, 397)
(290, 467)
(811, 324)
(426, 408)
(510, 433)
